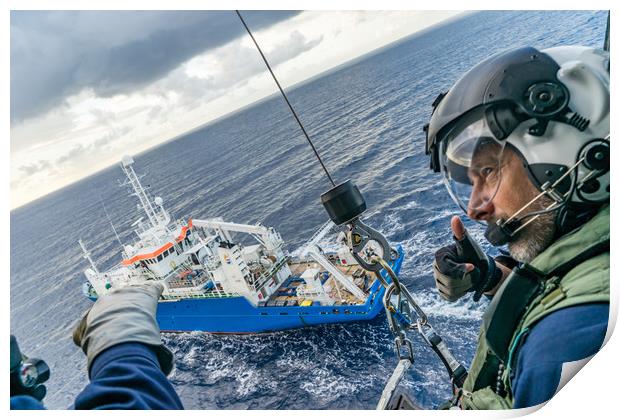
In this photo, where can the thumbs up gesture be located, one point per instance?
(463, 267)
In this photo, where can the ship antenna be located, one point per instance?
(110, 220)
(87, 256)
(286, 99)
(154, 217)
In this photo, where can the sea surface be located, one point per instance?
(366, 120)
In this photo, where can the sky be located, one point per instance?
(88, 87)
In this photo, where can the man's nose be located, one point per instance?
(480, 206)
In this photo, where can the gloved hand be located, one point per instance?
(126, 315)
(463, 267)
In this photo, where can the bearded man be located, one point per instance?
(522, 141)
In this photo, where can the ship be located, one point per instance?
(231, 278)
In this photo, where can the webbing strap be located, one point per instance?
(503, 318)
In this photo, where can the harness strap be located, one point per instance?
(503, 317)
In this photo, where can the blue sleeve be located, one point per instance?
(128, 376)
(26, 402)
(566, 335)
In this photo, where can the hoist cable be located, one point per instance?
(286, 99)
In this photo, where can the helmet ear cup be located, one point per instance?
(594, 184)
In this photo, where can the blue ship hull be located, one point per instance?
(235, 315)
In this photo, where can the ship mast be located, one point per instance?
(87, 256)
(156, 218)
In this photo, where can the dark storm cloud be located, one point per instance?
(56, 54)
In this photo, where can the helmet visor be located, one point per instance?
(471, 163)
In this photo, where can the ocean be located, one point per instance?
(254, 166)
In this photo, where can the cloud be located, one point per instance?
(228, 66)
(291, 48)
(74, 153)
(36, 167)
(80, 150)
(55, 54)
(104, 124)
(77, 153)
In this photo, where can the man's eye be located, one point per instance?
(485, 172)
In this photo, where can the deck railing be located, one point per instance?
(193, 295)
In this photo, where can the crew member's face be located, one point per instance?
(501, 187)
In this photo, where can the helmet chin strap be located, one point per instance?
(503, 231)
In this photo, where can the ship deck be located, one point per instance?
(286, 293)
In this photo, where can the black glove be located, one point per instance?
(452, 277)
